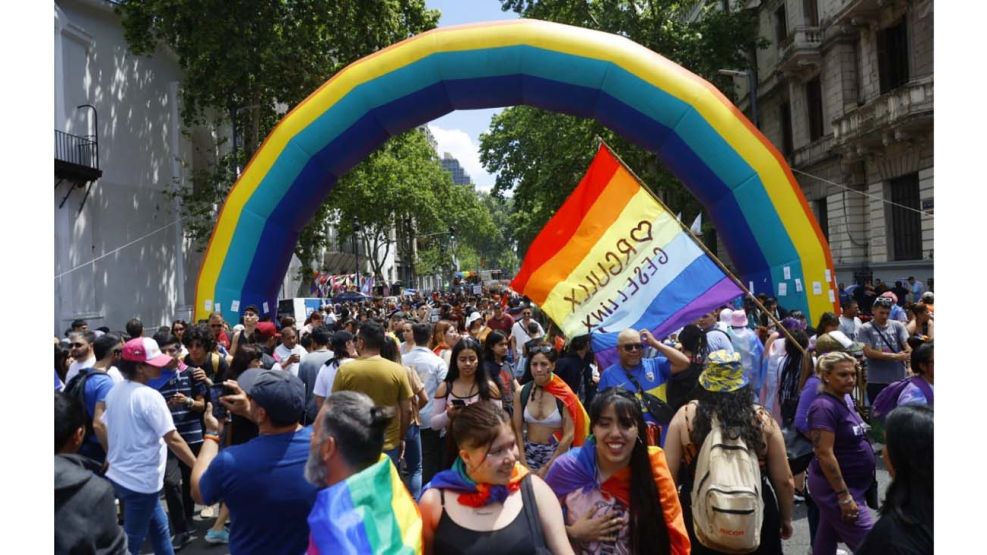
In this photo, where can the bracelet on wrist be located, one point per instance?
(846, 501)
(212, 437)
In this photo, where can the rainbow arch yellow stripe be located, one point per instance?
(740, 178)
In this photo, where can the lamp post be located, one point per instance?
(356, 250)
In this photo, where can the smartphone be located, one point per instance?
(458, 403)
(215, 392)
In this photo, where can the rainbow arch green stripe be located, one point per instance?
(740, 178)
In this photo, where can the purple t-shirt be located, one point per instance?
(853, 452)
(809, 393)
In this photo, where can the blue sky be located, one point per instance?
(458, 133)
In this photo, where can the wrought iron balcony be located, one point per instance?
(76, 158)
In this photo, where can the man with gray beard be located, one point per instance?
(362, 491)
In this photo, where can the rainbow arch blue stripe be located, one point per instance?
(739, 177)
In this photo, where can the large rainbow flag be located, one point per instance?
(613, 258)
(369, 512)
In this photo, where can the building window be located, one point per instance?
(781, 25)
(822, 216)
(787, 143)
(813, 101)
(892, 56)
(810, 10)
(906, 225)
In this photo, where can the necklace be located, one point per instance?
(483, 512)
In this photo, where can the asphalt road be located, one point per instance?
(798, 545)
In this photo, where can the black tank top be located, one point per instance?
(513, 539)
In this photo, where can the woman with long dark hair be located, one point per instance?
(725, 394)
(495, 348)
(549, 418)
(906, 523)
(796, 367)
(616, 492)
(467, 382)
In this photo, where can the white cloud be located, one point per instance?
(462, 147)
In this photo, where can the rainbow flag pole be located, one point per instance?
(614, 257)
(709, 253)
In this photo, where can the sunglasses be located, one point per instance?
(77, 345)
(117, 351)
(631, 347)
(544, 349)
(215, 325)
(885, 302)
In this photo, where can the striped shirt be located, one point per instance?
(187, 422)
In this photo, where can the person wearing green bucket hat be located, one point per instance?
(726, 400)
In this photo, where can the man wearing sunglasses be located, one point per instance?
(885, 346)
(645, 377)
(81, 350)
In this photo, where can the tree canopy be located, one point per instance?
(541, 156)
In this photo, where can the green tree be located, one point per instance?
(541, 156)
(401, 186)
(245, 61)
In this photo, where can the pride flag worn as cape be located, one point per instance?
(369, 512)
(613, 257)
(576, 470)
(580, 419)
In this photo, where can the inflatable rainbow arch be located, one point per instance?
(742, 181)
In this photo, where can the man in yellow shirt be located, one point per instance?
(380, 379)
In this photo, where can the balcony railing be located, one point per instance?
(76, 158)
(76, 150)
(800, 50)
(908, 106)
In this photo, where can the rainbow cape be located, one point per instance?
(577, 470)
(369, 512)
(561, 391)
(613, 257)
(473, 494)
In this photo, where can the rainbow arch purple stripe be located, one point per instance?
(739, 177)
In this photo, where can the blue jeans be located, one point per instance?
(144, 516)
(413, 459)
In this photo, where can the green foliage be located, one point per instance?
(541, 156)
(245, 61)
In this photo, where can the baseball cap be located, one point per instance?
(472, 318)
(266, 329)
(146, 350)
(279, 392)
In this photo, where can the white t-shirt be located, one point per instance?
(520, 334)
(79, 365)
(281, 352)
(115, 375)
(432, 370)
(137, 418)
(327, 375)
(849, 327)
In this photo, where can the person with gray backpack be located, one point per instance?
(728, 457)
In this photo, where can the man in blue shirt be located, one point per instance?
(650, 375)
(262, 481)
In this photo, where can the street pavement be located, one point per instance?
(798, 544)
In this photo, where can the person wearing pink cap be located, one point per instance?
(897, 313)
(140, 432)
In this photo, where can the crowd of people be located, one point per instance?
(505, 433)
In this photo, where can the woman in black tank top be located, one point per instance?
(488, 503)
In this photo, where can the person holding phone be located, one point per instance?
(289, 353)
(466, 383)
(186, 398)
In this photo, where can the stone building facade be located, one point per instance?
(845, 91)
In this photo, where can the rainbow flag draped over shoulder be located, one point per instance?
(369, 512)
(561, 391)
(613, 258)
